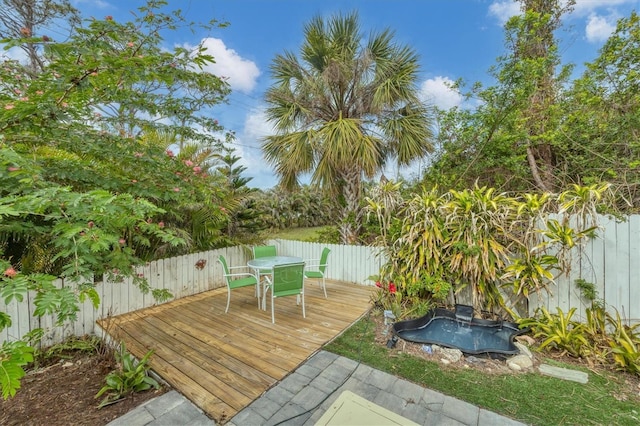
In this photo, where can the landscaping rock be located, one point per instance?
(530, 341)
(452, 355)
(520, 362)
(564, 373)
(524, 350)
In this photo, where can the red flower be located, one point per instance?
(378, 284)
(392, 288)
(10, 272)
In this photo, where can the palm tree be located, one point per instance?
(343, 109)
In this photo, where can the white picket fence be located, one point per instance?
(179, 275)
(611, 262)
(182, 276)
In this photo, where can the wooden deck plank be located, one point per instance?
(188, 362)
(253, 349)
(223, 361)
(190, 388)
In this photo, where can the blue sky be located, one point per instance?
(453, 38)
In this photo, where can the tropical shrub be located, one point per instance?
(602, 338)
(493, 248)
(559, 332)
(625, 345)
(83, 192)
(129, 377)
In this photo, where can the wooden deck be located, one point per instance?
(222, 362)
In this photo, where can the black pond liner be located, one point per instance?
(459, 330)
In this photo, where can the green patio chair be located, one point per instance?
(237, 279)
(288, 280)
(264, 251)
(317, 268)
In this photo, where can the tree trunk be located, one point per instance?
(535, 45)
(351, 220)
(533, 166)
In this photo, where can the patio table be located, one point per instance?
(269, 262)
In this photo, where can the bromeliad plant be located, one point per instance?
(559, 332)
(130, 377)
(602, 338)
(625, 344)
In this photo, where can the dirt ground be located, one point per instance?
(63, 394)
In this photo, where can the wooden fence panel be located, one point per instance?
(611, 262)
(346, 263)
(634, 268)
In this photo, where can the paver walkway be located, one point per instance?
(304, 396)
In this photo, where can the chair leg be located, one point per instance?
(257, 292)
(324, 287)
(228, 299)
(265, 290)
(304, 314)
(273, 315)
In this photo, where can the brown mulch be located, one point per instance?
(64, 394)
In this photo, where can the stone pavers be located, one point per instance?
(302, 397)
(308, 392)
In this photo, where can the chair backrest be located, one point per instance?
(264, 251)
(288, 279)
(323, 259)
(225, 268)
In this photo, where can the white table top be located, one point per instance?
(270, 261)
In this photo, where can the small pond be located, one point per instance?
(458, 329)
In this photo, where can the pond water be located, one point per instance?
(441, 327)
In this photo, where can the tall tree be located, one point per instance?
(28, 19)
(536, 49)
(80, 194)
(342, 109)
(510, 139)
(601, 129)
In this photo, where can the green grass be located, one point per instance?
(298, 234)
(527, 397)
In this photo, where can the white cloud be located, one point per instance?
(248, 145)
(599, 28)
(97, 3)
(14, 54)
(256, 125)
(241, 73)
(504, 9)
(439, 92)
(585, 7)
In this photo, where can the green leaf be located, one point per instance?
(14, 288)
